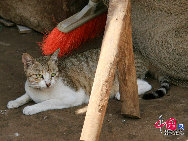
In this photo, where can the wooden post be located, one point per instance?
(127, 71)
(117, 15)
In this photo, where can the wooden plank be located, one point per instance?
(117, 15)
(127, 71)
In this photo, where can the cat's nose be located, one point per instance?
(48, 84)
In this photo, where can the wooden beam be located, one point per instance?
(127, 71)
(103, 81)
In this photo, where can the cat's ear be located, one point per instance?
(55, 55)
(27, 60)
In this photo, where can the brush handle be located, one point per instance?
(89, 12)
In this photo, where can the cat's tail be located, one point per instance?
(165, 86)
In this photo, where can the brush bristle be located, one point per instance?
(72, 40)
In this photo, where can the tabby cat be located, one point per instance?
(54, 84)
(142, 67)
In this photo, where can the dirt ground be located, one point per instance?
(66, 125)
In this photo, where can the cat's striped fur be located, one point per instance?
(143, 66)
(78, 72)
(164, 87)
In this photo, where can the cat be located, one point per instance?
(143, 66)
(54, 84)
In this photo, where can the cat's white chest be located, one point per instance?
(59, 91)
(40, 95)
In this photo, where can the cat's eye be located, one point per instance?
(39, 75)
(53, 74)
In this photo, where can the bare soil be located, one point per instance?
(65, 124)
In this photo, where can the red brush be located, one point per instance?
(72, 32)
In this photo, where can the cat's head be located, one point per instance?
(41, 72)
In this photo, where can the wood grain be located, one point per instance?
(116, 23)
(127, 71)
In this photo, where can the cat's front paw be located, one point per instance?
(30, 110)
(13, 104)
